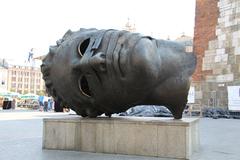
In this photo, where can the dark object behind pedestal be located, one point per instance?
(58, 107)
(218, 112)
(147, 111)
(7, 104)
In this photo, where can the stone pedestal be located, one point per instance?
(161, 137)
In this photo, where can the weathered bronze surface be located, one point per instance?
(108, 71)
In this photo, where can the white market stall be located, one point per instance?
(234, 98)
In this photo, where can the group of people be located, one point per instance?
(9, 104)
(47, 105)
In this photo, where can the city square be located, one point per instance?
(21, 138)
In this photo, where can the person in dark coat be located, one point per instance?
(45, 106)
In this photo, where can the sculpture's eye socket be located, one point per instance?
(83, 86)
(82, 47)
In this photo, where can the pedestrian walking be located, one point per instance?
(45, 107)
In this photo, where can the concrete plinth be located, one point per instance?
(161, 137)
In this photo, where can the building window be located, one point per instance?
(14, 79)
(38, 80)
(14, 73)
(20, 79)
(13, 85)
(189, 49)
(25, 91)
(32, 81)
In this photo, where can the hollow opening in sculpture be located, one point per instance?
(83, 46)
(83, 86)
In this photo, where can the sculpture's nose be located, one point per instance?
(98, 61)
(94, 62)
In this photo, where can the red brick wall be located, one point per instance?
(206, 15)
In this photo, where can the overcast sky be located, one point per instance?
(37, 24)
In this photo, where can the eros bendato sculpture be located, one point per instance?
(109, 71)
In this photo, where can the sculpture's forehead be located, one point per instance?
(99, 38)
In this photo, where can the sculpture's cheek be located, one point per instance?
(144, 62)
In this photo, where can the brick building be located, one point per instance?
(217, 46)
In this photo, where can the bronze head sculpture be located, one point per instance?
(108, 71)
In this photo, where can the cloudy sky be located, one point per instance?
(38, 24)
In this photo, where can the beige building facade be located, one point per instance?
(25, 79)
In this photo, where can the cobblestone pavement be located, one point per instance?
(21, 138)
